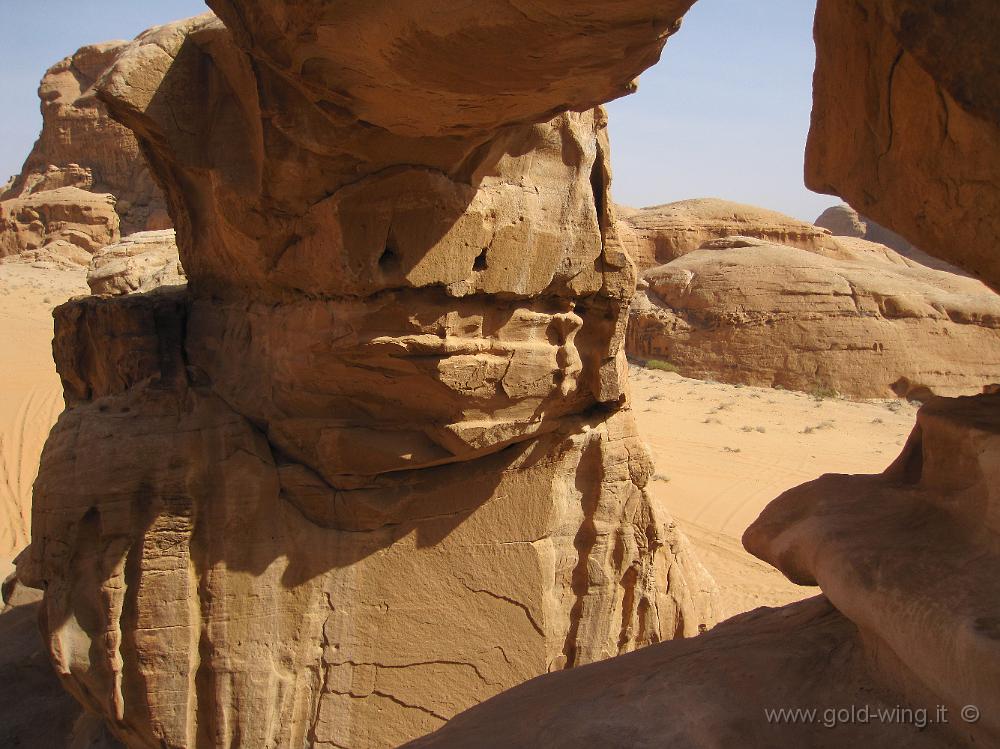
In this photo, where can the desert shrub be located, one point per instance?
(663, 366)
(824, 393)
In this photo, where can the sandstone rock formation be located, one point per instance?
(865, 322)
(864, 539)
(844, 221)
(376, 462)
(905, 126)
(138, 263)
(704, 693)
(68, 222)
(35, 711)
(81, 146)
(654, 236)
(895, 632)
(905, 123)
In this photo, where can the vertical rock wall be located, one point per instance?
(906, 121)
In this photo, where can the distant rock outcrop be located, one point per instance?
(862, 320)
(67, 222)
(140, 262)
(80, 146)
(845, 222)
(659, 234)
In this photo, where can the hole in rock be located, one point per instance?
(480, 263)
(389, 261)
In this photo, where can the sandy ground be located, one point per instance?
(30, 394)
(723, 452)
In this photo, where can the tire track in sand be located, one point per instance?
(21, 440)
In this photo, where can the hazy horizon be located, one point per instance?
(725, 113)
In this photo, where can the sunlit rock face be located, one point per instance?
(659, 234)
(81, 146)
(376, 462)
(862, 320)
(932, 619)
(905, 128)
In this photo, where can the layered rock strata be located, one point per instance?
(656, 235)
(845, 222)
(905, 127)
(376, 462)
(140, 262)
(81, 146)
(68, 222)
(864, 322)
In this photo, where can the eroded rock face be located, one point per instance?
(654, 236)
(864, 539)
(138, 263)
(376, 462)
(905, 127)
(864, 322)
(905, 123)
(711, 691)
(67, 221)
(81, 146)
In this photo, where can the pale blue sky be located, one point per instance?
(725, 114)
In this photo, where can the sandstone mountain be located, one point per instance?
(377, 461)
(81, 146)
(862, 321)
(657, 235)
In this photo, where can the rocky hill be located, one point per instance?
(861, 321)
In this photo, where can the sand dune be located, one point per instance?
(30, 394)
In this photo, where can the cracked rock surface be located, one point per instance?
(376, 462)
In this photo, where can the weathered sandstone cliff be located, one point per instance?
(905, 126)
(376, 462)
(81, 146)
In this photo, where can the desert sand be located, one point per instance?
(723, 452)
(31, 398)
